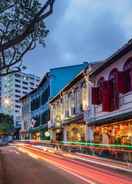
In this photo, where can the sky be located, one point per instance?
(82, 30)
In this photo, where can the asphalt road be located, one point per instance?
(28, 165)
(20, 168)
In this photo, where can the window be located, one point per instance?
(128, 74)
(16, 80)
(18, 106)
(17, 101)
(17, 91)
(97, 92)
(113, 77)
(32, 83)
(26, 83)
(37, 119)
(45, 95)
(35, 104)
(84, 100)
(71, 103)
(100, 84)
(24, 92)
(24, 88)
(77, 100)
(17, 75)
(66, 104)
(17, 96)
(17, 86)
(45, 117)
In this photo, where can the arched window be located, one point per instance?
(128, 64)
(128, 74)
(113, 78)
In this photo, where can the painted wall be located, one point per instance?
(125, 100)
(60, 77)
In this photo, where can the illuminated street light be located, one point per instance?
(7, 101)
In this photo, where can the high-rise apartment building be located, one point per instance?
(14, 86)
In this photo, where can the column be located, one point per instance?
(89, 134)
(65, 134)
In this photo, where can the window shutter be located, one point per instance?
(123, 81)
(130, 73)
(106, 96)
(95, 96)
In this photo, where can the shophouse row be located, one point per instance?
(95, 105)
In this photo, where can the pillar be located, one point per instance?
(89, 134)
(65, 134)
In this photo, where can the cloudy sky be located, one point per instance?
(82, 30)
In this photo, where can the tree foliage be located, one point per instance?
(6, 123)
(22, 26)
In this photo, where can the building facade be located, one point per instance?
(26, 117)
(14, 86)
(52, 82)
(110, 115)
(67, 109)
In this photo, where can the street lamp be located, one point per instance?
(7, 101)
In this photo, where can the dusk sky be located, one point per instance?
(82, 30)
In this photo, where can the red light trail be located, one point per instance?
(86, 172)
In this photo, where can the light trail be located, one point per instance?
(88, 173)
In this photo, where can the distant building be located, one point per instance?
(14, 86)
(52, 82)
(26, 117)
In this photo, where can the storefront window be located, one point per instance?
(117, 133)
(76, 132)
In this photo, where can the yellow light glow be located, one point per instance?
(7, 101)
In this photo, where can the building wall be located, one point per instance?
(41, 94)
(26, 114)
(14, 86)
(55, 80)
(62, 76)
(125, 100)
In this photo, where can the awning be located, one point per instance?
(39, 128)
(119, 117)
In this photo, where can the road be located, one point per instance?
(31, 166)
(20, 168)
